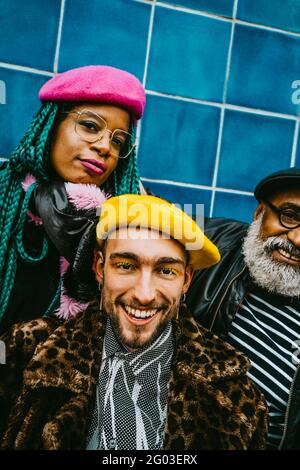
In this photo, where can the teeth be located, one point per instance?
(140, 313)
(288, 255)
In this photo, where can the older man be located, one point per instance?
(141, 369)
(252, 298)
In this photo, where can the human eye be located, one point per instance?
(168, 272)
(118, 140)
(125, 266)
(290, 217)
(89, 125)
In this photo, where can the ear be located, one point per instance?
(188, 278)
(258, 211)
(98, 266)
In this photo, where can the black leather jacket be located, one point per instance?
(226, 284)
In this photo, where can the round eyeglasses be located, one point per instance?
(287, 216)
(91, 127)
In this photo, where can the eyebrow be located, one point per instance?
(289, 205)
(134, 257)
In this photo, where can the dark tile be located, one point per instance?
(263, 67)
(178, 141)
(110, 33)
(188, 54)
(252, 147)
(188, 198)
(29, 32)
(283, 14)
(220, 7)
(21, 104)
(234, 206)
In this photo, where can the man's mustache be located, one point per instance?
(275, 243)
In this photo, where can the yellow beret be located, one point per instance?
(135, 211)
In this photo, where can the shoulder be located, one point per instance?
(25, 336)
(208, 355)
(225, 232)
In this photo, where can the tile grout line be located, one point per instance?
(295, 141)
(191, 11)
(220, 136)
(229, 55)
(149, 39)
(234, 107)
(221, 18)
(197, 186)
(58, 40)
(22, 68)
(212, 200)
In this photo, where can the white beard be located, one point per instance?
(268, 273)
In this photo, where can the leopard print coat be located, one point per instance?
(48, 383)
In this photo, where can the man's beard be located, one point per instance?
(272, 275)
(135, 342)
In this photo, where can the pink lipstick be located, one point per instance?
(94, 165)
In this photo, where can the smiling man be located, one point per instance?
(252, 298)
(138, 372)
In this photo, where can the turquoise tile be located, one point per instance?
(111, 33)
(263, 67)
(234, 206)
(192, 200)
(21, 104)
(178, 141)
(283, 14)
(219, 7)
(252, 147)
(188, 54)
(29, 32)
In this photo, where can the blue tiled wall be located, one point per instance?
(218, 76)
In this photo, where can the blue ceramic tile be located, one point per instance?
(284, 14)
(178, 141)
(234, 206)
(263, 67)
(188, 198)
(21, 104)
(252, 147)
(188, 54)
(220, 7)
(29, 32)
(111, 33)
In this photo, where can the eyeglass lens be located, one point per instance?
(91, 127)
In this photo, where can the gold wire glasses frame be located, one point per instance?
(91, 127)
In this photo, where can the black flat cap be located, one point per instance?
(283, 179)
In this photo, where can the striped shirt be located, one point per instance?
(267, 329)
(131, 396)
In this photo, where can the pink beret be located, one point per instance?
(98, 83)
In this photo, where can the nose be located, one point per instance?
(144, 290)
(102, 145)
(294, 236)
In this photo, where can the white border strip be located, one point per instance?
(58, 41)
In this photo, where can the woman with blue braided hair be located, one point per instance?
(83, 133)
